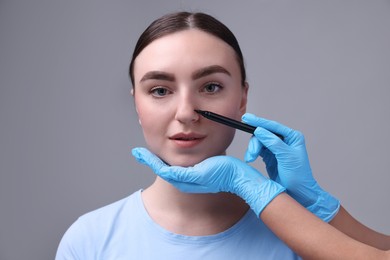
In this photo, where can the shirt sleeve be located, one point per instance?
(73, 244)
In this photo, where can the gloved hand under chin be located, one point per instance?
(287, 163)
(216, 174)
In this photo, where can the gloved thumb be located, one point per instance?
(253, 150)
(144, 156)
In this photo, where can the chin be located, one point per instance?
(186, 160)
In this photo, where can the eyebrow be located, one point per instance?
(203, 72)
(159, 75)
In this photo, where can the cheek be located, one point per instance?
(145, 110)
(229, 107)
(154, 123)
(150, 122)
(153, 133)
(226, 138)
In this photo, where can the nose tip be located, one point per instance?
(187, 113)
(186, 117)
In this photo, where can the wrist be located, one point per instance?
(259, 196)
(326, 206)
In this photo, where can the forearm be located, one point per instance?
(344, 222)
(310, 237)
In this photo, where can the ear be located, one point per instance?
(136, 110)
(244, 98)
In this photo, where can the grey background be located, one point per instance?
(67, 121)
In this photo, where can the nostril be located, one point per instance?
(187, 115)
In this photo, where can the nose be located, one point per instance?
(185, 112)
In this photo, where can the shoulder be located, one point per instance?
(105, 216)
(93, 229)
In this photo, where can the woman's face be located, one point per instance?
(173, 76)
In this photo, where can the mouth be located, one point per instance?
(187, 140)
(186, 136)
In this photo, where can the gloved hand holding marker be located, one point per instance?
(286, 162)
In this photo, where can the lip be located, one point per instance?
(187, 140)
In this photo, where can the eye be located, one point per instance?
(159, 92)
(212, 87)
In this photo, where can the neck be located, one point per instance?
(207, 213)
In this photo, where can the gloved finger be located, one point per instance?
(253, 150)
(188, 179)
(179, 174)
(270, 163)
(270, 140)
(144, 156)
(270, 125)
(169, 173)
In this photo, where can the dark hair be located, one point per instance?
(181, 21)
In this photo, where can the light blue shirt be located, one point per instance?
(124, 230)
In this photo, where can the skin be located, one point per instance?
(347, 224)
(173, 76)
(179, 73)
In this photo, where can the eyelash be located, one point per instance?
(212, 84)
(155, 91)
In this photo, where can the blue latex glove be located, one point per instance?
(288, 164)
(216, 174)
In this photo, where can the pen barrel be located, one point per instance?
(229, 122)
